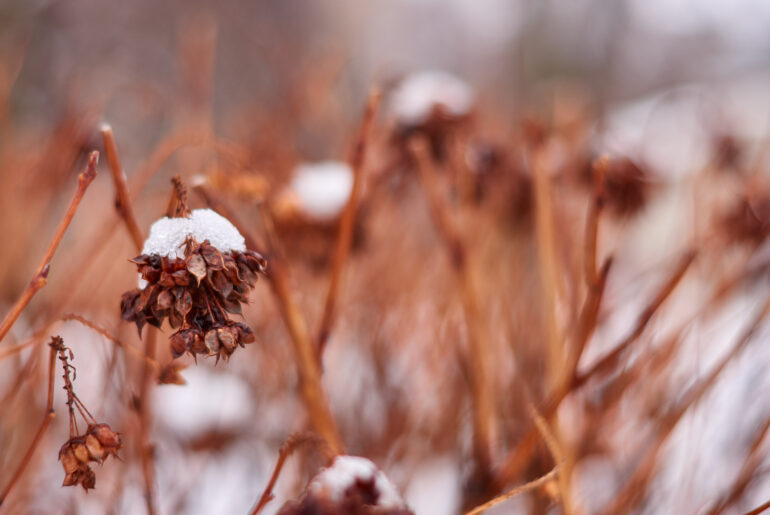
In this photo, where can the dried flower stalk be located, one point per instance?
(39, 278)
(347, 220)
(482, 391)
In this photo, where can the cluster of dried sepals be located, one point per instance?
(94, 445)
(196, 294)
(98, 442)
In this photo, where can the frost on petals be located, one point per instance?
(351, 485)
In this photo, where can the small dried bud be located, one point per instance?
(107, 437)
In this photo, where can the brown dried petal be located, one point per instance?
(165, 299)
(180, 342)
(181, 278)
(214, 258)
(68, 460)
(95, 448)
(106, 436)
(227, 337)
(245, 334)
(196, 266)
(184, 303)
(80, 451)
(212, 342)
(232, 306)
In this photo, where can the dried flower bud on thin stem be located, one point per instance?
(95, 445)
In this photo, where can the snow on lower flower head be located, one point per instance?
(167, 235)
(322, 189)
(415, 98)
(347, 473)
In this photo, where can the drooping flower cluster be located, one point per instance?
(194, 271)
(351, 486)
(95, 445)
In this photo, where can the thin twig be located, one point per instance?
(47, 417)
(516, 491)
(122, 198)
(480, 372)
(607, 363)
(759, 509)
(289, 446)
(557, 454)
(592, 222)
(641, 475)
(518, 457)
(548, 269)
(747, 473)
(130, 348)
(39, 278)
(347, 221)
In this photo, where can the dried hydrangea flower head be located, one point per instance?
(434, 104)
(95, 445)
(352, 485)
(194, 270)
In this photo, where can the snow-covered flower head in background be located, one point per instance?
(317, 191)
(420, 95)
(194, 270)
(351, 485)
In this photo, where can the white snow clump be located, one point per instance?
(334, 481)
(167, 235)
(415, 98)
(323, 188)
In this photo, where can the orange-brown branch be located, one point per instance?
(39, 279)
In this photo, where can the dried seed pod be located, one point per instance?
(194, 284)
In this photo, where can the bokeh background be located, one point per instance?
(664, 83)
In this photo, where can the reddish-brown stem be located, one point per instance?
(537, 483)
(122, 198)
(39, 278)
(748, 471)
(592, 222)
(47, 417)
(607, 363)
(479, 371)
(637, 483)
(347, 221)
(289, 446)
(519, 456)
(759, 509)
(308, 368)
(145, 415)
(91, 325)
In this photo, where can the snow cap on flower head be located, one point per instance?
(350, 472)
(322, 189)
(415, 98)
(167, 235)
